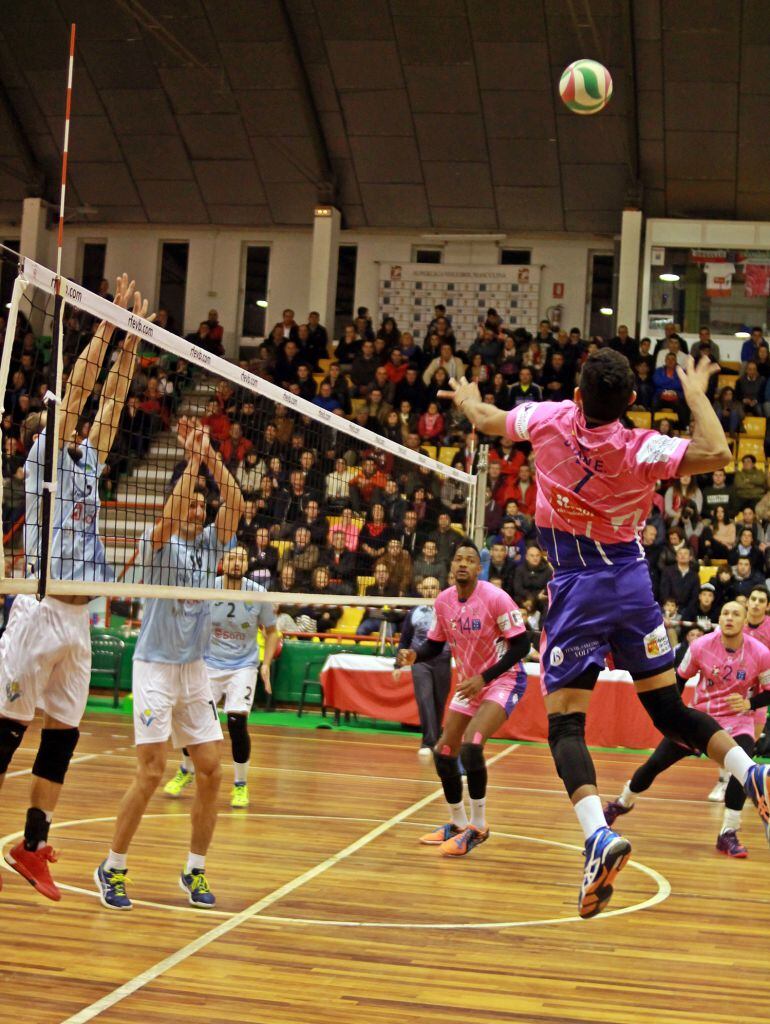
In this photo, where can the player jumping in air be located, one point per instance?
(595, 482)
(487, 637)
(733, 678)
(232, 660)
(45, 652)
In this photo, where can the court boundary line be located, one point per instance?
(75, 760)
(139, 981)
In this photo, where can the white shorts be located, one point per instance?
(45, 660)
(174, 702)
(236, 685)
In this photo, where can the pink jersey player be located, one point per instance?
(476, 631)
(721, 672)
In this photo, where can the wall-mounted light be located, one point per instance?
(606, 311)
(262, 303)
(669, 277)
(742, 334)
(323, 211)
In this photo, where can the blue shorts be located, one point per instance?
(595, 611)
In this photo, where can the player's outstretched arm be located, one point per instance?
(177, 507)
(271, 646)
(88, 365)
(467, 397)
(233, 505)
(708, 449)
(116, 387)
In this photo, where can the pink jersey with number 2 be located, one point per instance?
(722, 672)
(596, 482)
(475, 628)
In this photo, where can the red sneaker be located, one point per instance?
(33, 865)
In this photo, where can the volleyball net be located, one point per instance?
(131, 457)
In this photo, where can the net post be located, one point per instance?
(478, 499)
(5, 366)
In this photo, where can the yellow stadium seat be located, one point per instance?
(447, 455)
(357, 404)
(324, 364)
(730, 367)
(707, 572)
(362, 582)
(282, 546)
(350, 621)
(754, 426)
(726, 380)
(430, 450)
(666, 414)
(640, 418)
(730, 467)
(751, 446)
(318, 377)
(459, 528)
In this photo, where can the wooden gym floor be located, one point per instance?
(330, 912)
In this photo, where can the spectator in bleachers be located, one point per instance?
(750, 391)
(350, 526)
(454, 494)
(526, 390)
(217, 422)
(316, 346)
(745, 578)
(249, 474)
(304, 385)
(363, 368)
(234, 448)
(323, 617)
(376, 405)
(376, 615)
(677, 495)
(408, 533)
(625, 344)
(349, 346)
(314, 519)
(394, 503)
(763, 360)
(338, 558)
(431, 425)
(718, 540)
(399, 565)
(747, 547)
(558, 379)
(248, 524)
(396, 366)
(287, 326)
(680, 582)
(372, 539)
(326, 399)
(430, 563)
(411, 389)
(749, 484)
(14, 494)
(499, 564)
(446, 360)
(367, 484)
(643, 386)
(287, 363)
(530, 579)
(303, 556)
(729, 413)
(704, 612)
(525, 491)
(291, 501)
(445, 537)
(750, 347)
(668, 389)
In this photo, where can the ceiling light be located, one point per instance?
(262, 303)
(742, 334)
(669, 277)
(7, 305)
(606, 311)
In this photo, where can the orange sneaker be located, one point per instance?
(440, 835)
(464, 842)
(33, 865)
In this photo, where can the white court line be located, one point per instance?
(75, 760)
(167, 964)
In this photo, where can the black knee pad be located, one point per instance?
(11, 735)
(447, 766)
(566, 738)
(55, 753)
(472, 757)
(671, 716)
(240, 740)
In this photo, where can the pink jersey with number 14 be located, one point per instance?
(598, 482)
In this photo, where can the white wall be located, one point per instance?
(215, 269)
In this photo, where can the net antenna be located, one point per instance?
(52, 398)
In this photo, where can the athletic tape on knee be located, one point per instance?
(55, 753)
(240, 740)
(566, 738)
(11, 735)
(472, 757)
(671, 716)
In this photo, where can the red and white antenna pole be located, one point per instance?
(65, 155)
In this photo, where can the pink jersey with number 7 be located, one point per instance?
(598, 482)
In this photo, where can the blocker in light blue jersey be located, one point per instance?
(77, 552)
(176, 632)
(234, 625)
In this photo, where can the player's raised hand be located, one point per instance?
(695, 377)
(124, 291)
(461, 392)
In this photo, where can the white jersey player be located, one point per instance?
(45, 653)
(172, 694)
(232, 660)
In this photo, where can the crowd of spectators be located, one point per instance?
(327, 513)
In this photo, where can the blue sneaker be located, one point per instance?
(111, 884)
(197, 888)
(606, 855)
(757, 786)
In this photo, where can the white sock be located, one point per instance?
(116, 861)
(724, 776)
(187, 764)
(628, 796)
(240, 771)
(458, 815)
(590, 814)
(737, 763)
(195, 863)
(478, 818)
(731, 821)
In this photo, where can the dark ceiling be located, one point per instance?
(406, 113)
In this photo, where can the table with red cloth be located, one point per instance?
(364, 684)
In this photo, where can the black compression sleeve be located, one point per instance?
(760, 700)
(518, 648)
(680, 683)
(430, 649)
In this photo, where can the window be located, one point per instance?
(8, 270)
(515, 257)
(173, 282)
(255, 291)
(346, 287)
(433, 254)
(602, 314)
(92, 274)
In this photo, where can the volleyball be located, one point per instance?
(585, 87)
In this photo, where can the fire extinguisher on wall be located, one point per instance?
(554, 314)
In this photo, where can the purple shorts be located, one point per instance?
(594, 612)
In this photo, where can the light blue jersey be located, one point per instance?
(234, 624)
(172, 631)
(77, 552)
